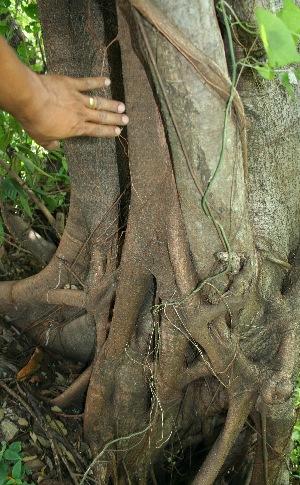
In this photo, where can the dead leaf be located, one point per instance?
(56, 409)
(68, 454)
(23, 422)
(43, 441)
(29, 458)
(33, 436)
(31, 365)
(35, 465)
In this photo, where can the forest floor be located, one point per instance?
(51, 439)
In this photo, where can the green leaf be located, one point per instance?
(64, 163)
(10, 189)
(296, 435)
(17, 470)
(1, 242)
(6, 3)
(265, 71)
(3, 141)
(4, 29)
(284, 78)
(51, 203)
(11, 455)
(15, 126)
(2, 117)
(290, 15)
(32, 11)
(297, 74)
(4, 444)
(277, 39)
(37, 67)
(4, 8)
(25, 206)
(26, 470)
(15, 446)
(3, 472)
(30, 165)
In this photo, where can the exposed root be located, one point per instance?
(238, 411)
(77, 388)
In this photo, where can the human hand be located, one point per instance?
(59, 110)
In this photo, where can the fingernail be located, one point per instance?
(121, 108)
(117, 131)
(125, 119)
(107, 82)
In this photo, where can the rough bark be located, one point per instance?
(194, 356)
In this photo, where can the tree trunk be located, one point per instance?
(191, 319)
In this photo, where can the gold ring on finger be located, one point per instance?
(92, 103)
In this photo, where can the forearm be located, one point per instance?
(18, 84)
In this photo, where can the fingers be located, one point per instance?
(107, 118)
(90, 83)
(78, 114)
(100, 131)
(103, 116)
(105, 104)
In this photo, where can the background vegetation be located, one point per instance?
(45, 174)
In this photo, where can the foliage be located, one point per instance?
(295, 456)
(12, 470)
(279, 33)
(20, 25)
(45, 174)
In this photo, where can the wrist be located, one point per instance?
(29, 100)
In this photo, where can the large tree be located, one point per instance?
(177, 276)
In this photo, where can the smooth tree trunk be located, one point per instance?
(180, 294)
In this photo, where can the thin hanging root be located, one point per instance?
(238, 411)
(263, 417)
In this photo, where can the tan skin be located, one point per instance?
(53, 108)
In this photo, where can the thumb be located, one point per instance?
(52, 145)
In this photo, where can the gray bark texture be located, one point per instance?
(190, 320)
